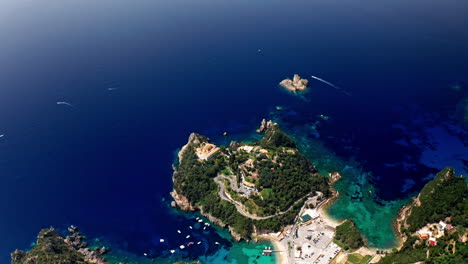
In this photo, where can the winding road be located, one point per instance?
(239, 206)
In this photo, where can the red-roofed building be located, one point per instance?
(424, 236)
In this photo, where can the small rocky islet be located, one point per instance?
(52, 247)
(297, 84)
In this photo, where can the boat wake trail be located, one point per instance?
(332, 85)
(65, 103)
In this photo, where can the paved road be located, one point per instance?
(240, 208)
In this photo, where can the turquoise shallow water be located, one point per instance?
(227, 251)
(242, 252)
(357, 200)
(373, 217)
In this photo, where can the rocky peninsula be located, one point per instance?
(295, 85)
(52, 248)
(433, 228)
(252, 188)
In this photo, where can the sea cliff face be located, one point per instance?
(182, 202)
(444, 196)
(433, 227)
(52, 248)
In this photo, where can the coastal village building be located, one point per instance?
(249, 185)
(264, 151)
(423, 235)
(442, 225)
(309, 214)
(206, 151)
(246, 148)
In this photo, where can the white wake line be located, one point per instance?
(64, 103)
(331, 84)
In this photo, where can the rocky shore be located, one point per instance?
(51, 247)
(265, 125)
(295, 85)
(182, 202)
(400, 221)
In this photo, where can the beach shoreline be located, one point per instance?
(281, 257)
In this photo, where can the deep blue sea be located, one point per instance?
(104, 163)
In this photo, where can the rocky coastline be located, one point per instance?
(295, 85)
(51, 247)
(400, 221)
(182, 202)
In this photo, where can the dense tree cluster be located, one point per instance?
(444, 196)
(287, 180)
(447, 251)
(49, 249)
(194, 179)
(349, 236)
(274, 137)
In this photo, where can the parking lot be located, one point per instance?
(313, 244)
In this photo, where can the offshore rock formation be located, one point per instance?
(52, 248)
(265, 125)
(295, 85)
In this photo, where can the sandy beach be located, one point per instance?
(281, 257)
(325, 217)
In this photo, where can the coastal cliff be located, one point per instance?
(52, 248)
(181, 201)
(444, 196)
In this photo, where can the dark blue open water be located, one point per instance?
(182, 66)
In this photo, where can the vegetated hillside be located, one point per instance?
(349, 236)
(445, 195)
(52, 248)
(442, 199)
(284, 174)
